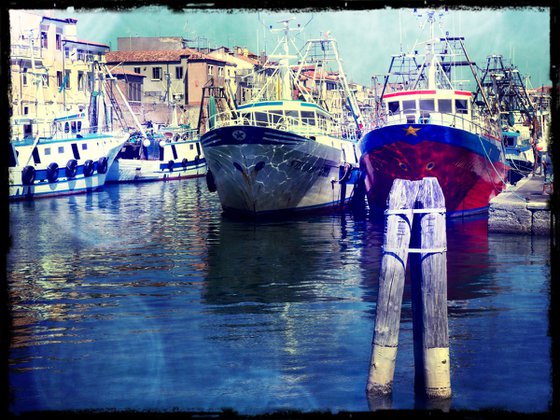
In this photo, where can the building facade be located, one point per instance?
(51, 69)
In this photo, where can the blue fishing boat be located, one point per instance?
(428, 127)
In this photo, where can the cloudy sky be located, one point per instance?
(366, 39)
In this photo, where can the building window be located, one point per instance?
(134, 92)
(156, 73)
(179, 73)
(137, 70)
(80, 80)
(44, 40)
(58, 42)
(25, 110)
(24, 76)
(58, 78)
(220, 72)
(67, 79)
(210, 69)
(90, 81)
(81, 55)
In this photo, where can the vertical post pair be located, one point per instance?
(415, 224)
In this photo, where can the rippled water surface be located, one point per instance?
(146, 297)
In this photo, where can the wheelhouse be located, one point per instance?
(425, 106)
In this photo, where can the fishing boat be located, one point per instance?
(65, 154)
(64, 159)
(519, 154)
(160, 153)
(284, 150)
(429, 127)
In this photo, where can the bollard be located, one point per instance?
(429, 280)
(398, 224)
(418, 204)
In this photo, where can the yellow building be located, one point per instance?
(51, 69)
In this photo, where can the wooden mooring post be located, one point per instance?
(415, 215)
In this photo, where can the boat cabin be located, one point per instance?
(427, 106)
(291, 113)
(70, 125)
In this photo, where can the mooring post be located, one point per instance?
(429, 289)
(396, 241)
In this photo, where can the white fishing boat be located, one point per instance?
(159, 154)
(65, 154)
(64, 160)
(284, 151)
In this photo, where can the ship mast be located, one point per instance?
(284, 60)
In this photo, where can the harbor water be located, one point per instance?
(145, 297)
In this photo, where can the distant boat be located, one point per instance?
(283, 151)
(519, 154)
(160, 153)
(69, 160)
(429, 128)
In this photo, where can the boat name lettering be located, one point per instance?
(299, 165)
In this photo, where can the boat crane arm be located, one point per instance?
(111, 77)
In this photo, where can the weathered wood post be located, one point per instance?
(398, 224)
(429, 289)
(415, 223)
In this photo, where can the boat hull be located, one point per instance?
(165, 161)
(64, 185)
(136, 170)
(471, 169)
(260, 171)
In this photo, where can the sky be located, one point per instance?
(366, 38)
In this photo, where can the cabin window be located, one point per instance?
(47, 151)
(75, 151)
(84, 146)
(461, 106)
(74, 128)
(444, 106)
(66, 127)
(36, 157)
(79, 126)
(409, 106)
(322, 122)
(261, 118)
(393, 106)
(294, 117)
(427, 105)
(192, 146)
(308, 117)
(276, 116)
(61, 149)
(174, 150)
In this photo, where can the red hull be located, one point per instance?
(468, 180)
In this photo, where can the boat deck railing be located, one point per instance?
(480, 125)
(302, 126)
(51, 135)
